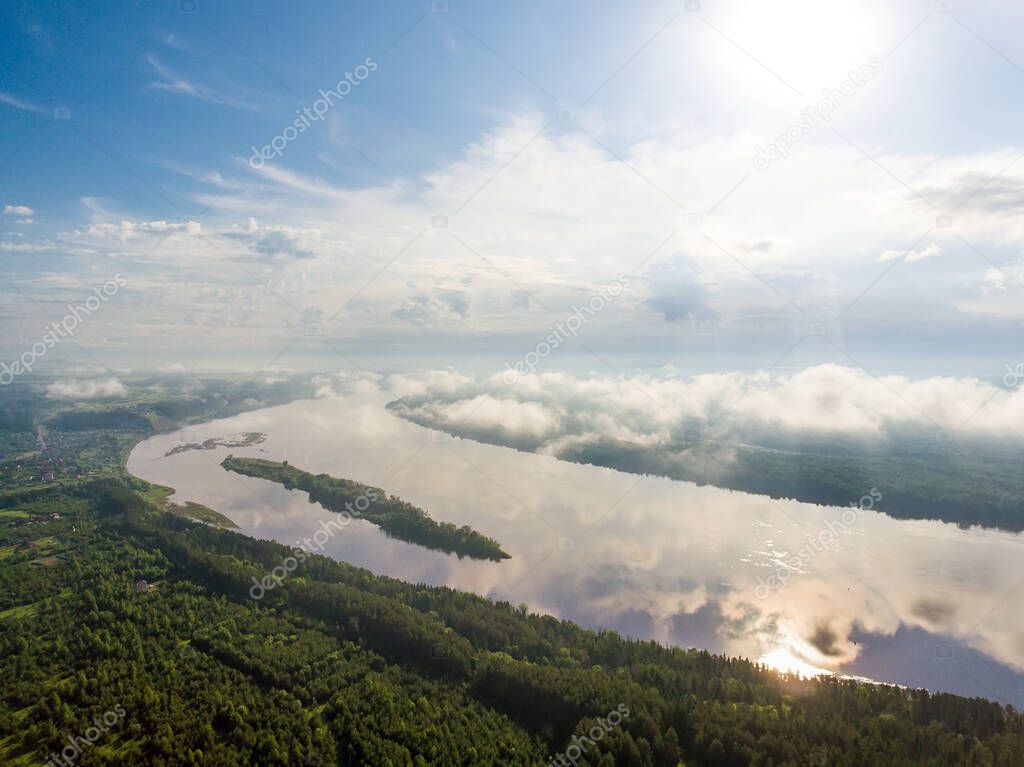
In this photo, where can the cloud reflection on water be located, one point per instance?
(650, 557)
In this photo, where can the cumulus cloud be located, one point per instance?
(533, 421)
(345, 383)
(273, 241)
(434, 383)
(72, 389)
(21, 211)
(442, 306)
(127, 229)
(555, 412)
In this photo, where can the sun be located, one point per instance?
(799, 45)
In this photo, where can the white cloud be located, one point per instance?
(19, 103)
(127, 229)
(911, 255)
(999, 296)
(72, 389)
(995, 279)
(545, 217)
(434, 382)
(21, 211)
(171, 81)
(484, 412)
(23, 247)
(553, 411)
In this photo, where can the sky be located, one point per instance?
(703, 186)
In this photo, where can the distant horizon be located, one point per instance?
(577, 364)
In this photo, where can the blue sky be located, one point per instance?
(567, 146)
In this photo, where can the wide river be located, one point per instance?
(914, 602)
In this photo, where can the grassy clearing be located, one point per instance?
(200, 513)
(20, 612)
(157, 494)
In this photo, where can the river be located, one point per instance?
(920, 603)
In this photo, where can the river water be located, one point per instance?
(913, 602)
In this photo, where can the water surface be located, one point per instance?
(914, 602)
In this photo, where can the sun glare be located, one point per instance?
(783, 659)
(808, 45)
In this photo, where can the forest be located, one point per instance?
(395, 517)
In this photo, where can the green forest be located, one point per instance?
(395, 517)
